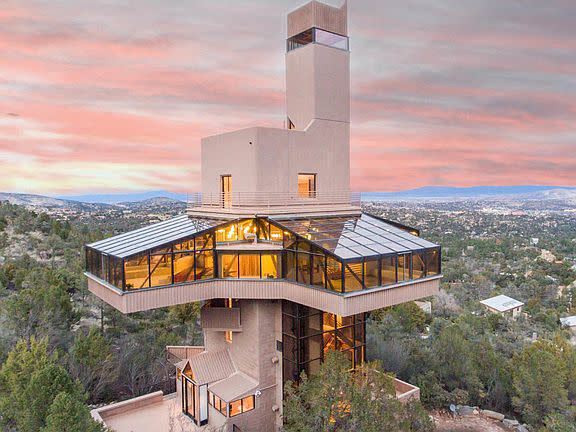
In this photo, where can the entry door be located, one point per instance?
(226, 189)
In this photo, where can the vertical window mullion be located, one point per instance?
(172, 261)
(325, 271)
(311, 267)
(342, 270)
(123, 274)
(149, 271)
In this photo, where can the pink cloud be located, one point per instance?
(437, 99)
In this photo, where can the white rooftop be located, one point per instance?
(502, 303)
(568, 321)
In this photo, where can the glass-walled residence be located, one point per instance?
(307, 334)
(343, 254)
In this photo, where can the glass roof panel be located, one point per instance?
(345, 253)
(347, 237)
(150, 237)
(355, 236)
(364, 251)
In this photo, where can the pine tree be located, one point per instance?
(68, 414)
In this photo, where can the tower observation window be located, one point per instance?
(318, 36)
(331, 39)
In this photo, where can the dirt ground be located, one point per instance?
(466, 424)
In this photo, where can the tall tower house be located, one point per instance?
(276, 247)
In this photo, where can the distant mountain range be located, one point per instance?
(124, 198)
(441, 192)
(437, 193)
(40, 201)
(44, 202)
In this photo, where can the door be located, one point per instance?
(226, 190)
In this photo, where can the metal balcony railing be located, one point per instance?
(274, 200)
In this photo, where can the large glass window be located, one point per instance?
(160, 270)
(227, 233)
(228, 265)
(319, 36)
(136, 272)
(311, 348)
(353, 277)
(205, 241)
(291, 265)
(307, 185)
(388, 270)
(242, 405)
(433, 262)
(218, 403)
(191, 399)
(319, 270)
(186, 245)
(250, 266)
(263, 227)
(118, 272)
(371, 273)
(300, 40)
(276, 235)
(303, 259)
(331, 39)
(247, 230)
(334, 274)
(183, 267)
(304, 268)
(271, 266)
(404, 267)
(204, 265)
(308, 333)
(418, 266)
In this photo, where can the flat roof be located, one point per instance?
(152, 236)
(502, 303)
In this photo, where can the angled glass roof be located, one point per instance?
(356, 236)
(348, 238)
(143, 239)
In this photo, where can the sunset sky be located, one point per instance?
(114, 95)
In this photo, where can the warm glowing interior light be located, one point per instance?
(231, 232)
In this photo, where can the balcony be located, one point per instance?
(221, 319)
(274, 203)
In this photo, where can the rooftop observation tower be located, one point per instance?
(276, 247)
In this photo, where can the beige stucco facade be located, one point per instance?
(264, 163)
(269, 160)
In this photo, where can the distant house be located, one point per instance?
(569, 322)
(503, 305)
